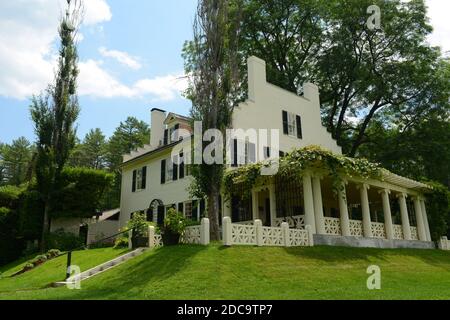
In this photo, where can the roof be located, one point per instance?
(152, 152)
(177, 116)
(108, 214)
(402, 181)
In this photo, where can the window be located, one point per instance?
(292, 125)
(188, 210)
(139, 179)
(169, 170)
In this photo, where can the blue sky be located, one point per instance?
(130, 58)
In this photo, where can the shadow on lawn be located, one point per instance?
(158, 265)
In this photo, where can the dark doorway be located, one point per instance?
(84, 233)
(160, 215)
(267, 210)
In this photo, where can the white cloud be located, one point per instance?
(96, 82)
(122, 57)
(438, 11)
(28, 31)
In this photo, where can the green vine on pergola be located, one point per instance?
(241, 181)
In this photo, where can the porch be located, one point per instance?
(362, 213)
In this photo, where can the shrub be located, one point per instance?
(121, 242)
(53, 253)
(64, 241)
(174, 222)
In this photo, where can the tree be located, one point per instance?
(130, 135)
(54, 114)
(2, 164)
(92, 152)
(16, 160)
(212, 62)
(363, 73)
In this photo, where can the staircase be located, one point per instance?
(102, 267)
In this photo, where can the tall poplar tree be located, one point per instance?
(54, 113)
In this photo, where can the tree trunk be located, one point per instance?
(45, 227)
(213, 212)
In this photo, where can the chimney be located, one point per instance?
(311, 92)
(256, 76)
(157, 127)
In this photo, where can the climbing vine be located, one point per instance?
(294, 165)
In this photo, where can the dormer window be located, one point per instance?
(292, 124)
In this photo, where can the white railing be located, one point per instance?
(295, 222)
(157, 241)
(256, 234)
(444, 244)
(243, 234)
(356, 228)
(378, 230)
(414, 234)
(191, 235)
(332, 226)
(398, 232)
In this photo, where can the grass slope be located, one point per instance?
(51, 271)
(215, 272)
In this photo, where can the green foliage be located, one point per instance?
(438, 210)
(15, 162)
(293, 166)
(64, 241)
(121, 242)
(81, 191)
(91, 153)
(174, 222)
(53, 253)
(9, 196)
(139, 224)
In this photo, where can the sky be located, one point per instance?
(130, 58)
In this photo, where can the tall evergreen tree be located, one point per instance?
(211, 60)
(54, 114)
(16, 159)
(91, 153)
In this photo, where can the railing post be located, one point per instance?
(285, 231)
(204, 232)
(151, 237)
(310, 235)
(259, 232)
(69, 263)
(130, 242)
(226, 230)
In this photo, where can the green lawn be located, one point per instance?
(51, 271)
(215, 272)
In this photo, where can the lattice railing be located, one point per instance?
(298, 238)
(356, 228)
(295, 222)
(191, 235)
(378, 230)
(332, 226)
(414, 234)
(243, 234)
(158, 241)
(398, 232)
(272, 236)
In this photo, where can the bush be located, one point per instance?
(53, 253)
(121, 242)
(64, 241)
(174, 222)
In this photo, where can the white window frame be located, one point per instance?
(292, 124)
(139, 177)
(188, 204)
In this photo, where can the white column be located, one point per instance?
(318, 205)
(343, 212)
(425, 219)
(259, 232)
(387, 214)
(255, 205)
(226, 207)
(151, 237)
(405, 218)
(273, 205)
(365, 208)
(419, 218)
(285, 232)
(226, 231)
(308, 202)
(204, 232)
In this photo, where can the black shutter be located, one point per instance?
(282, 154)
(180, 207)
(175, 172)
(267, 152)
(234, 153)
(163, 171)
(176, 138)
(285, 123)
(182, 166)
(144, 178)
(299, 127)
(166, 137)
(133, 187)
(251, 153)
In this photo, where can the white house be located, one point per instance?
(389, 212)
